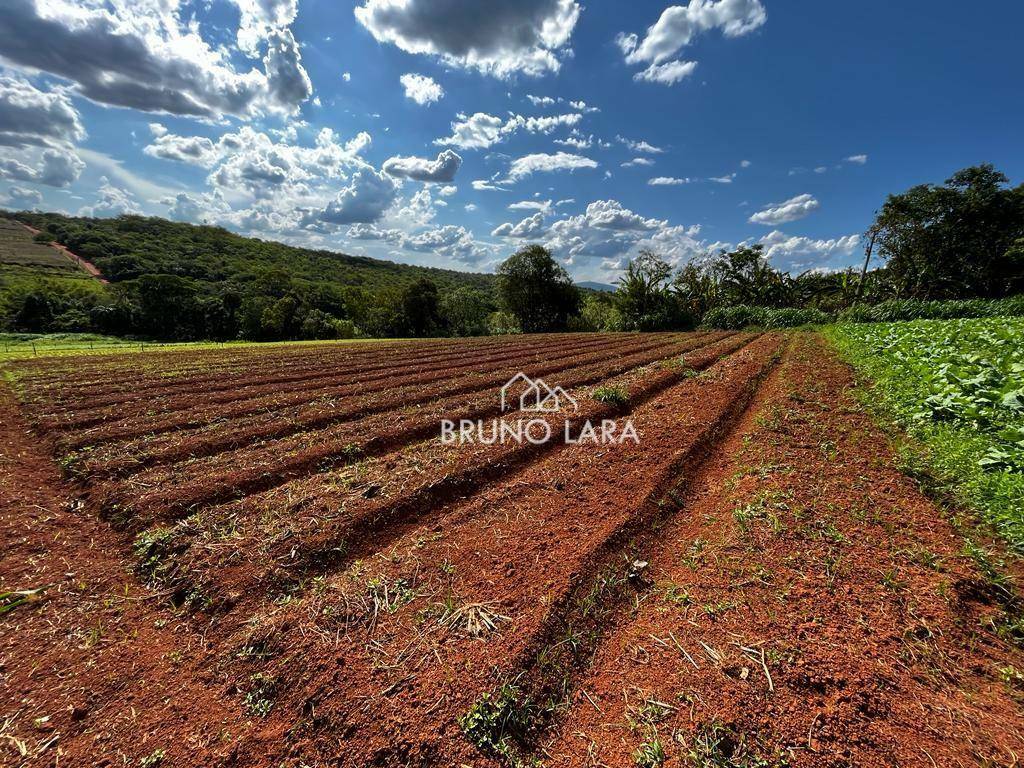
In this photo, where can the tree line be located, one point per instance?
(960, 240)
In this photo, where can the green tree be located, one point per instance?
(954, 240)
(465, 312)
(537, 290)
(420, 307)
(643, 297)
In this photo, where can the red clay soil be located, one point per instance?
(808, 607)
(175, 490)
(755, 584)
(452, 375)
(88, 266)
(295, 531)
(378, 659)
(93, 671)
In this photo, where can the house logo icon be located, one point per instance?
(526, 394)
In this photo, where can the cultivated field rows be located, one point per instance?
(372, 596)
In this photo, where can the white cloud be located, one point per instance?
(470, 207)
(543, 162)
(196, 150)
(368, 195)
(676, 28)
(745, 163)
(666, 181)
(29, 116)
(482, 184)
(669, 73)
(498, 39)
(441, 170)
(531, 205)
(346, 76)
(151, 56)
(679, 24)
(447, 190)
(728, 179)
(53, 167)
(791, 210)
(110, 201)
(639, 146)
(798, 253)
(609, 232)
(477, 131)
(637, 161)
(541, 101)
(421, 89)
(530, 227)
(480, 130)
(21, 198)
(857, 159)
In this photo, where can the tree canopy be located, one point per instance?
(537, 290)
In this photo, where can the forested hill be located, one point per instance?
(129, 247)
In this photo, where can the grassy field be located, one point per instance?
(957, 387)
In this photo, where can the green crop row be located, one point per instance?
(957, 387)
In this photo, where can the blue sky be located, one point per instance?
(451, 132)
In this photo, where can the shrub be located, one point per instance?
(502, 324)
(896, 310)
(744, 316)
(611, 395)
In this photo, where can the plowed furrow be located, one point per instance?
(220, 429)
(399, 626)
(312, 529)
(89, 416)
(170, 492)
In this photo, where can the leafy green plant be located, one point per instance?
(500, 723)
(957, 387)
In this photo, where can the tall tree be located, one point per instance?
(643, 297)
(954, 240)
(537, 290)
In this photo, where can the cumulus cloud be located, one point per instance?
(29, 116)
(610, 232)
(196, 150)
(676, 28)
(110, 201)
(449, 241)
(480, 130)
(637, 161)
(541, 101)
(421, 89)
(791, 210)
(794, 252)
(368, 195)
(669, 73)
(542, 162)
(666, 181)
(498, 39)
(55, 168)
(857, 159)
(151, 56)
(21, 198)
(441, 170)
(530, 227)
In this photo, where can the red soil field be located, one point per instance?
(268, 557)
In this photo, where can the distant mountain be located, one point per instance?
(596, 286)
